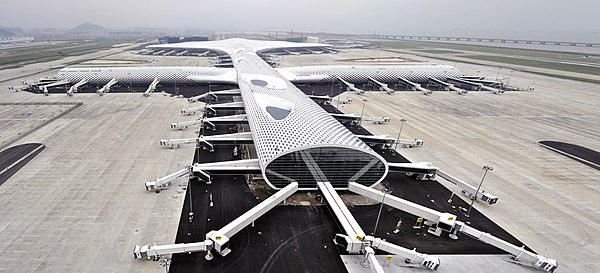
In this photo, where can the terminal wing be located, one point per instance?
(146, 75)
(377, 74)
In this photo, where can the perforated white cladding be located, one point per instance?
(308, 125)
(138, 75)
(415, 73)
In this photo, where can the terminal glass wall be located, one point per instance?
(333, 164)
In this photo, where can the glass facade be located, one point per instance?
(333, 164)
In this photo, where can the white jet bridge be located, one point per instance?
(218, 240)
(213, 108)
(449, 86)
(426, 171)
(215, 95)
(107, 86)
(210, 123)
(45, 87)
(415, 86)
(445, 222)
(421, 170)
(354, 118)
(385, 141)
(192, 110)
(351, 86)
(76, 86)
(320, 98)
(468, 189)
(477, 86)
(355, 240)
(382, 86)
(209, 142)
(165, 181)
(203, 171)
(152, 87)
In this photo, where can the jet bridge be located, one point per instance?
(482, 80)
(439, 221)
(215, 95)
(468, 189)
(475, 85)
(346, 118)
(220, 237)
(383, 141)
(203, 171)
(449, 86)
(152, 87)
(218, 240)
(320, 99)
(182, 125)
(354, 118)
(192, 110)
(356, 241)
(156, 251)
(165, 182)
(447, 222)
(210, 123)
(75, 87)
(422, 170)
(209, 142)
(351, 86)
(212, 108)
(45, 87)
(382, 86)
(415, 86)
(106, 87)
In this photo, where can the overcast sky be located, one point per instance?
(549, 19)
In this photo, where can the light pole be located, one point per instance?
(362, 112)
(331, 91)
(385, 191)
(399, 132)
(189, 189)
(486, 168)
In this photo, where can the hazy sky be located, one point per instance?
(574, 19)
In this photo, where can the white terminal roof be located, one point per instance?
(282, 118)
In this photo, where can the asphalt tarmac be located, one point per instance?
(286, 239)
(299, 238)
(16, 154)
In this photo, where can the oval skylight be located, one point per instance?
(259, 82)
(277, 113)
(264, 81)
(276, 108)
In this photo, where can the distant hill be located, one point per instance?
(87, 28)
(5, 33)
